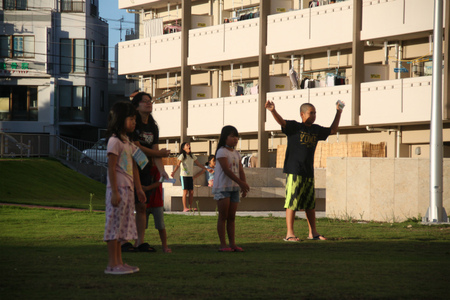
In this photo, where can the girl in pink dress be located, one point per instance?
(123, 177)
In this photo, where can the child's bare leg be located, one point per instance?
(185, 192)
(231, 223)
(311, 218)
(119, 253)
(163, 237)
(223, 208)
(112, 256)
(141, 221)
(113, 246)
(191, 198)
(290, 218)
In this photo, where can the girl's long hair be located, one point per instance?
(226, 131)
(116, 118)
(151, 121)
(209, 159)
(184, 152)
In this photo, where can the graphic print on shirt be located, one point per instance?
(147, 137)
(125, 163)
(185, 169)
(233, 165)
(309, 140)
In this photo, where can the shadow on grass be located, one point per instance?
(280, 270)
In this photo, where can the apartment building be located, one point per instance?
(214, 63)
(53, 67)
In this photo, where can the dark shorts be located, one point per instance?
(300, 193)
(187, 183)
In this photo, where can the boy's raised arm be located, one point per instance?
(270, 106)
(337, 118)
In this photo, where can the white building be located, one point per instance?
(373, 55)
(53, 67)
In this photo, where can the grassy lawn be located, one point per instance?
(59, 254)
(47, 182)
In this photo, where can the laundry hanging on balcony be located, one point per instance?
(153, 27)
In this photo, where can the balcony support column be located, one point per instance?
(264, 81)
(185, 69)
(447, 62)
(357, 61)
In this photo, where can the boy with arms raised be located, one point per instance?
(299, 164)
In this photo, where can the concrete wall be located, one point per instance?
(381, 189)
(267, 191)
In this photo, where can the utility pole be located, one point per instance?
(436, 212)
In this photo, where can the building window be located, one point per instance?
(92, 48)
(94, 8)
(17, 46)
(18, 103)
(74, 103)
(15, 4)
(73, 56)
(102, 100)
(71, 6)
(104, 55)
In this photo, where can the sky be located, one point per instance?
(109, 10)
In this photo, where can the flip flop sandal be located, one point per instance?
(317, 238)
(145, 247)
(128, 247)
(291, 239)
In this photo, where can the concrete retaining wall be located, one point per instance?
(381, 189)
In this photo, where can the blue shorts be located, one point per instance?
(233, 195)
(187, 183)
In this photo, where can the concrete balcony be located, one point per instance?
(231, 41)
(396, 101)
(399, 17)
(150, 54)
(168, 117)
(384, 102)
(310, 28)
(207, 117)
(324, 99)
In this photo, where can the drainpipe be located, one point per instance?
(399, 49)
(220, 12)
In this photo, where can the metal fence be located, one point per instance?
(67, 150)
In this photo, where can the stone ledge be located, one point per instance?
(267, 191)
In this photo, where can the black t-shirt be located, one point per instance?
(302, 142)
(147, 135)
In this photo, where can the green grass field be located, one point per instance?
(47, 182)
(59, 254)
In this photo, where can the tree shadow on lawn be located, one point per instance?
(311, 269)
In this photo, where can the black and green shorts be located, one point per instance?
(299, 192)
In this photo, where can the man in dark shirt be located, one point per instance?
(299, 164)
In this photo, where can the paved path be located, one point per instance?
(281, 214)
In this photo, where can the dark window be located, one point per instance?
(102, 100)
(17, 46)
(74, 103)
(15, 4)
(104, 55)
(71, 6)
(92, 48)
(18, 103)
(73, 56)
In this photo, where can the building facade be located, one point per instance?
(53, 67)
(214, 63)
